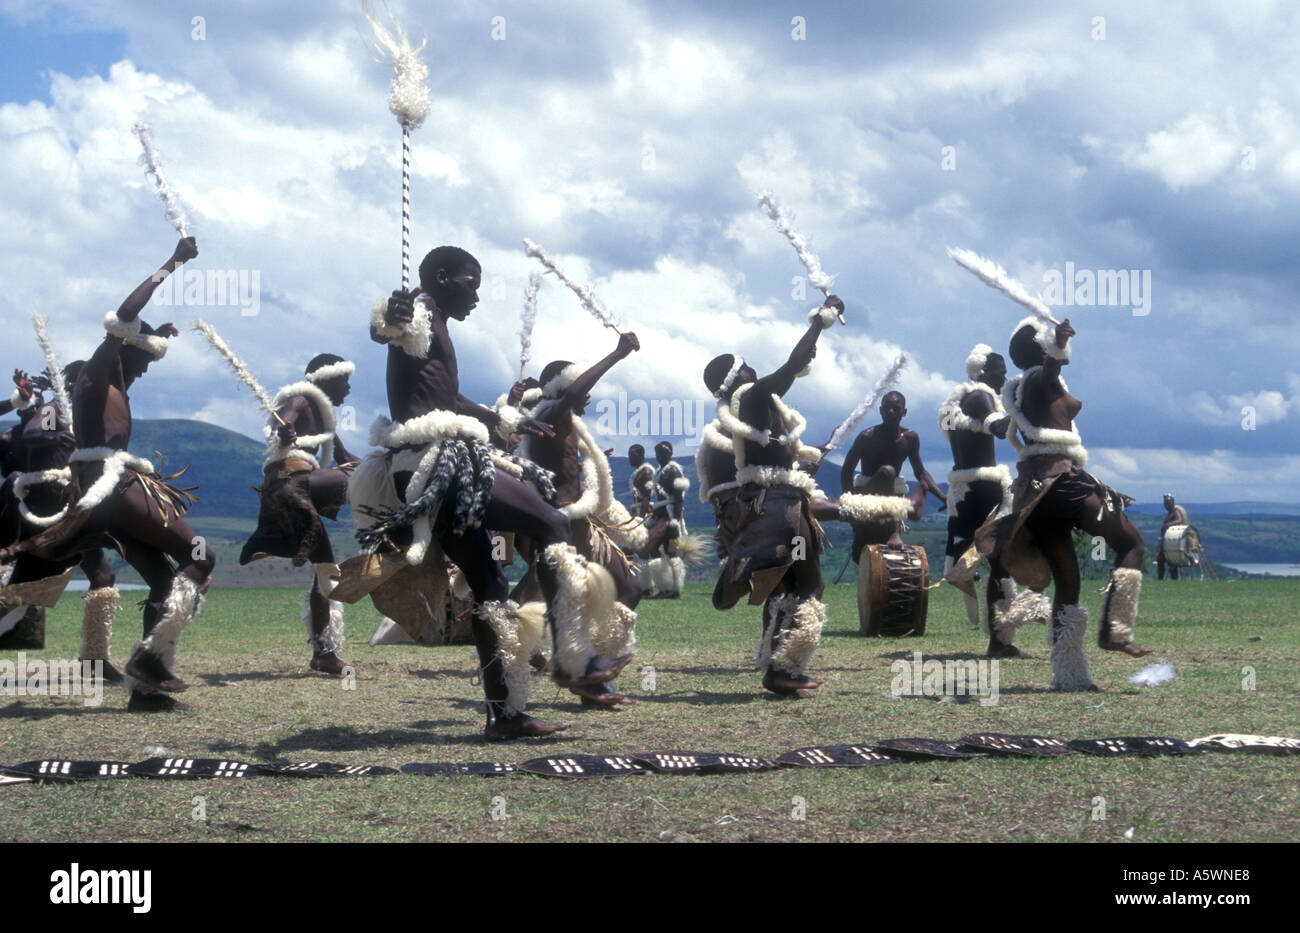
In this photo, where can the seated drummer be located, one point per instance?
(871, 500)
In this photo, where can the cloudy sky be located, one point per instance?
(629, 138)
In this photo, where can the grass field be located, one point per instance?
(254, 699)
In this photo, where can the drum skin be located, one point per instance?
(1180, 545)
(893, 591)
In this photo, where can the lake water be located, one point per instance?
(1277, 570)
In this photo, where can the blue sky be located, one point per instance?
(629, 138)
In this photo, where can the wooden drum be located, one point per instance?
(893, 591)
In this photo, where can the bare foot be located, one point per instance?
(599, 670)
(148, 668)
(111, 674)
(784, 684)
(603, 696)
(327, 662)
(520, 726)
(1130, 649)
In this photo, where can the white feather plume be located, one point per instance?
(527, 319)
(408, 98)
(994, 276)
(56, 371)
(241, 369)
(1153, 675)
(153, 170)
(848, 425)
(584, 293)
(816, 277)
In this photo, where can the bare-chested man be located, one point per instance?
(1052, 495)
(641, 482)
(36, 496)
(972, 417)
(773, 556)
(439, 479)
(876, 501)
(122, 502)
(584, 493)
(299, 487)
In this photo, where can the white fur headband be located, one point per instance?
(557, 384)
(732, 373)
(978, 359)
(331, 371)
(1045, 337)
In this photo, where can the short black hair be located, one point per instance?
(1025, 350)
(636, 448)
(717, 371)
(444, 257)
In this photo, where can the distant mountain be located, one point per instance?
(221, 463)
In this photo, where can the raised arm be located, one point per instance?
(801, 357)
(577, 392)
(22, 396)
(1052, 364)
(130, 309)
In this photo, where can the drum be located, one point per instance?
(1181, 546)
(893, 591)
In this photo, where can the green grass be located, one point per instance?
(254, 699)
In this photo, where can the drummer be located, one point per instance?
(876, 500)
(1174, 515)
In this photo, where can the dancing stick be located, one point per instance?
(816, 277)
(527, 319)
(56, 371)
(153, 170)
(994, 276)
(846, 427)
(585, 295)
(238, 365)
(408, 100)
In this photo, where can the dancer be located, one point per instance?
(1052, 495)
(599, 527)
(773, 556)
(437, 479)
(641, 482)
(35, 496)
(121, 501)
(971, 417)
(299, 487)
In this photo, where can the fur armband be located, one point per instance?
(129, 333)
(508, 421)
(20, 403)
(823, 315)
(412, 338)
